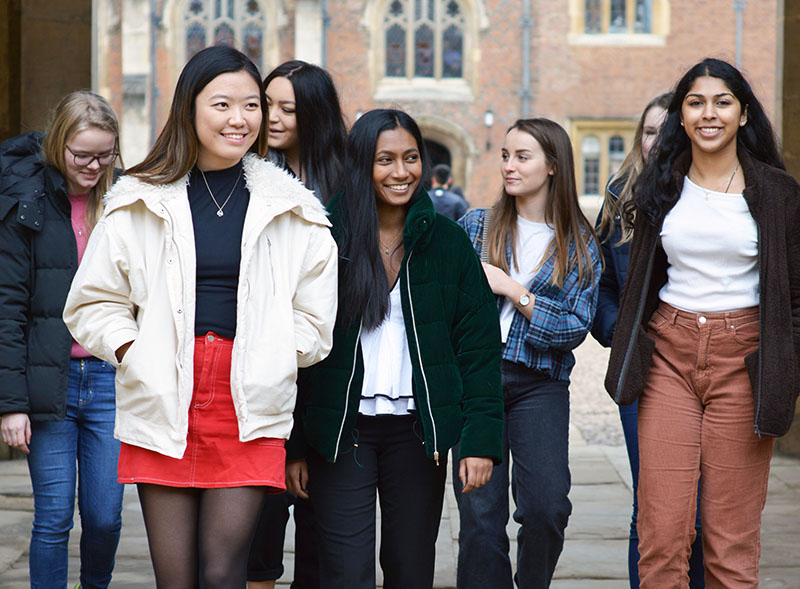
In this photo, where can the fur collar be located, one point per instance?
(268, 185)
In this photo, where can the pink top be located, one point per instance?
(79, 203)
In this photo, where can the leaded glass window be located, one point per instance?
(617, 16)
(594, 17)
(239, 23)
(434, 28)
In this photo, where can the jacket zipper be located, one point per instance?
(638, 319)
(419, 356)
(347, 393)
(760, 337)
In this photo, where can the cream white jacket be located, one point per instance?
(137, 283)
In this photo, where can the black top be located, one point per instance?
(218, 241)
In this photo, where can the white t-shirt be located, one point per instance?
(711, 241)
(387, 364)
(532, 241)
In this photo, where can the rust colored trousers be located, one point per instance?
(696, 418)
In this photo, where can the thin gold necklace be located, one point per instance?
(708, 192)
(235, 184)
(388, 248)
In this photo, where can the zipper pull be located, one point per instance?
(436, 458)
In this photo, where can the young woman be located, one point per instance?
(415, 366)
(615, 246)
(210, 279)
(306, 130)
(543, 265)
(707, 337)
(307, 139)
(56, 399)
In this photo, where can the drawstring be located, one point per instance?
(419, 435)
(355, 435)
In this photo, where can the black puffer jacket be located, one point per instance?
(38, 258)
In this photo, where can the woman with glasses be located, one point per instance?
(56, 400)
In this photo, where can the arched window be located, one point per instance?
(424, 39)
(239, 23)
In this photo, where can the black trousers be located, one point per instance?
(387, 455)
(266, 551)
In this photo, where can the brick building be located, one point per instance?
(466, 69)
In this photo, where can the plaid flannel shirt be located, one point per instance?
(561, 316)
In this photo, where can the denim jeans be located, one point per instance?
(629, 416)
(85, 439)
(536, 434)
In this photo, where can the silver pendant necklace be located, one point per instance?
(219, 208)
(708, 192)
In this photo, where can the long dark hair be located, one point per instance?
(562, 209)
(321, 134)
(363, 288)
(657, 186)
(175, 151)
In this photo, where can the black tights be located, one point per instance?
(200, 537)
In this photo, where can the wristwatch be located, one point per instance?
(524, 300)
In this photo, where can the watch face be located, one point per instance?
(524, 300)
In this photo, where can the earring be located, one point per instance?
(681, 123)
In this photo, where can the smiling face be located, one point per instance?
(282, 118)
(227, 120)
(89, 142)
(653, 120)
(525, 169)
(397, 167)
(711, 116)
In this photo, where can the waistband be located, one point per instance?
(212, 339)
(726, 318)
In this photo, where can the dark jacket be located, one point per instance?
(38, 258)
(448, 203)
(773, 198)
(615, 259)
(453, 335)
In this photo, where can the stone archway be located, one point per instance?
(455, 140)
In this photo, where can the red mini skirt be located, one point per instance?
(214, 456)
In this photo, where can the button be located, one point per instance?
(180, 311)
(702, 320)
(210, 337)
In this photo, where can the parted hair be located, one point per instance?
(562, 209)
(175, 151)
(321, 133)
(362, 277)
(78, 111)
(657, 186)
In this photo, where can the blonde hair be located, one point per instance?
(628, 173)
(78, 111)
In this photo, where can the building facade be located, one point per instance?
(465, 69)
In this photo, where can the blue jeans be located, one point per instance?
(536, 434)
(629, 416)
(85, 439)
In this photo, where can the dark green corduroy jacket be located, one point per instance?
(453, 335)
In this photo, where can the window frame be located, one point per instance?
(604, 130)
(659, 25)
(408, 86)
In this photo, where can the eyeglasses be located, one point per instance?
(85, 159)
